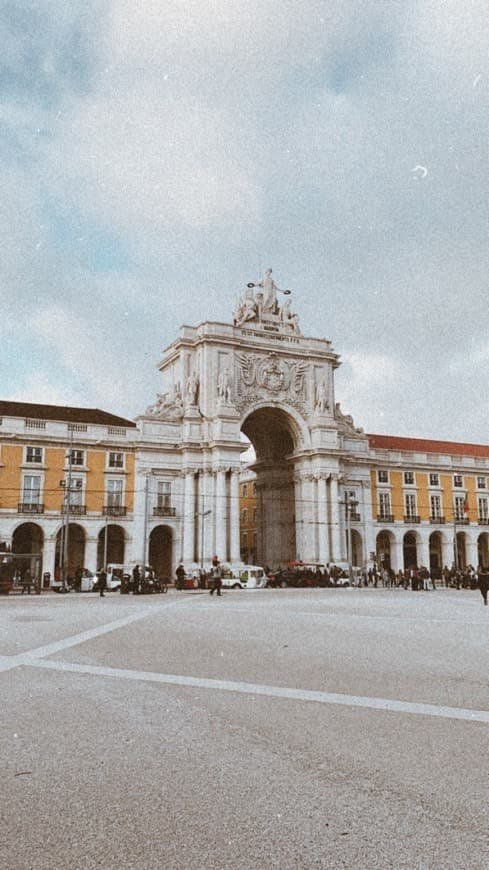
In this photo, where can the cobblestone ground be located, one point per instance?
(266, 729)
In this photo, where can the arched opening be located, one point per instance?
(436, 555)
(483, 550)
(27, 541)
(274, 436)
(460, 550)
(110, 546)
(160, 551)
(75, 551)
(356, 548)
(409, 551)
(383, 550)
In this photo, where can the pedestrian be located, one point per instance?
(102, 582)
(180, 575)
(216, 577)
(26, 582)
(136, 577)
(483, 583)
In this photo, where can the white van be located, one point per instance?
(244, 577)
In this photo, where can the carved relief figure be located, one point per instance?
(224, 386)
(167, 405)
(192, 388)
(321, 397)
(247, 308)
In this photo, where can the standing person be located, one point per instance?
(135, 580)
(483, 583)
(180, 575)
(216, 577)
(102, 582)
(26, 582)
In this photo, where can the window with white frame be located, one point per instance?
(75, 493)
(245, 490)
(245, 515)
(384, 505)
(115, 491)
(435, 506)
(481, 483)
(254, 515)
(32, 489)
(116, 460)
(483, 508)
(163, 493)
(382, 476)
(434, 478)
(409, 478)
(459, 507)
(245, 541)
(410, 505)
(458, 480)
(77, 457)
(33, 454)
(254, 489)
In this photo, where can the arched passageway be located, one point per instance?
(483, 550)
(160, 551)
(409, 551)
(274, 436)
(436, 554)
(357, 557)
(75, 550)
(111, 546)
(27, 541)
(461, 550)
(383, 550)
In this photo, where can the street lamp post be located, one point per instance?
(202, 514)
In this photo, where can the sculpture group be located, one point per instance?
(260, 303)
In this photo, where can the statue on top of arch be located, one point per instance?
(262, 306)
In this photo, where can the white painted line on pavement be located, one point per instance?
(384, 704)
(9, 662)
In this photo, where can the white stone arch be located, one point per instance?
(298, 425)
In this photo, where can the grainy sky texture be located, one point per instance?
(156, 155)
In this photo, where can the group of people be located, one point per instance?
(211, 580)
(424, 579)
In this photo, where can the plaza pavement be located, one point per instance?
(266, 729)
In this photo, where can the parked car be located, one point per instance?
(300, 574)
(340, 575)
(244, 577)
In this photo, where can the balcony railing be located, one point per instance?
(385, 518)
(461, 521)
(164, 511)
(412, 519)
(355, 518)
(25, 507)
(437, 520)
(114, 510)
(483, 521)
(75, 510)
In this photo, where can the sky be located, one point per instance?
(156, 156)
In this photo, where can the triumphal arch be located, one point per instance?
(257, 376)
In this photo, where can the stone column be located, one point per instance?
(299, 526)
(221, 515)
(447, 551)
(322, 516)
(471, 552)
(397, 562)
(337, 550)
(91, 554)
(235, 555)
(423, 552)
(189, 518)
(206, 516)
(48, 557)
(308, 517)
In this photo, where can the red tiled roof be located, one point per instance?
(62, 413)
(424, 445)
